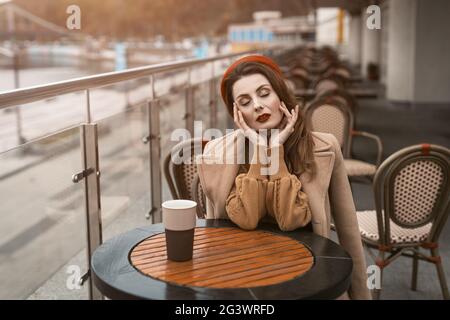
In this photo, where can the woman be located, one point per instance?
(309, 184)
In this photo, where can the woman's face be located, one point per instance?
(258, 102)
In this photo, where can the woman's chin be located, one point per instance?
(265, 125)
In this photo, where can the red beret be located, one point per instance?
(253, 58)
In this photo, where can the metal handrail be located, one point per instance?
(40, 92)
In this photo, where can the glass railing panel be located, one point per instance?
(42, 220)
(125, 165)
(19, 124)
(201, 73)
(199, 82)
(201, 104)
(224, 119)
(220, 66)
(172, 111)
(114, 99)
(170, 82)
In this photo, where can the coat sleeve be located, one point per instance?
(285, 199)
(245, 204)
(346, 223)
(217, 175)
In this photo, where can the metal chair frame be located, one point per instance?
(384, 202)
(199, 197)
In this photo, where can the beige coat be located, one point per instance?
(329, 195)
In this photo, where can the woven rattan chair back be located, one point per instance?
(328, 83)
(412, 189)
(342, 96)
(332, 116)
(180, 169)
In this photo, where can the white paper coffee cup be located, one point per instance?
(179, 215)
(179, 218)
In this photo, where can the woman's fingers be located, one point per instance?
(236, 116)
(242, 121)
(293, 120)
(290, 120)
(285, 110)
(295, 112)
(239, 117)
(250, 133)
(283, 123)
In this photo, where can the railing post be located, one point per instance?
(189, 104)
(212, 100)
(155, 161)
(91, 176)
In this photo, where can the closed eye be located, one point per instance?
(264, 93)
(244, 102)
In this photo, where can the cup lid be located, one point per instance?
(179, 204)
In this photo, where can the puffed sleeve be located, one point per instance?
(285, 199)
(245, 205)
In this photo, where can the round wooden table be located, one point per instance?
(228, 263)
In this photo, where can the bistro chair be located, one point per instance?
(299, 71)
(290, 84)
(412, 197)
(332, 116)
(199, 197)
(302, 61)
(342, 96)
(297, 76)
(341, 71)
(180, 170)
(331, 82)
(299, 82)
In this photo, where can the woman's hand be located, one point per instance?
(286, 127)
(250, 133)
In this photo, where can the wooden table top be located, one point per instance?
(132, 265)
(226, 258)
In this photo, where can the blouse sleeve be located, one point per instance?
(285, 199)
(245, 205)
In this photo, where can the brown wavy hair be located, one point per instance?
(299, 147)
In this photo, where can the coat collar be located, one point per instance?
(317, 187)
(324, 160)
(321, 143)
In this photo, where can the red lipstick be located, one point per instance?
(263, 118)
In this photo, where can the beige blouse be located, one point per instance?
(254, 195)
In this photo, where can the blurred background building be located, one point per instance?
(268, 28)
